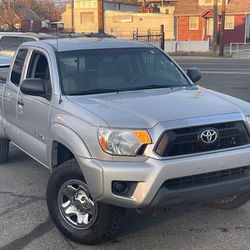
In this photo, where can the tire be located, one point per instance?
(104, 221)
(4, 150)
(228, 203)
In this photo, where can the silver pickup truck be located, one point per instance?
(120, 125)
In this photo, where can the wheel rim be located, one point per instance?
(76, 205)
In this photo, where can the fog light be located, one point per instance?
(120, 187)
(124, 188)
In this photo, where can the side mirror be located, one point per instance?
(194, 74)
(33, 86)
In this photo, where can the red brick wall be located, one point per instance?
(183, 29)
(238, 33)
(235, 35)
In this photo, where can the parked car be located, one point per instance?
(121, 126)
(5, 62)
(9, 41)
(99, 35)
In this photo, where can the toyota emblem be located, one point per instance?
(209, 136)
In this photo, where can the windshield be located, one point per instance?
(114, 70)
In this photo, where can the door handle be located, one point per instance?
(20, 102)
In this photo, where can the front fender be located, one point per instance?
(69, 139)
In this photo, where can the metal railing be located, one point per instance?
(239, 47)
(157, 38)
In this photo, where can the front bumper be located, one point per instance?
(152, 173)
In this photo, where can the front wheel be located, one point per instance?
(232, 202)
(73, 210)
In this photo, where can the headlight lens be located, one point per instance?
(122, 141)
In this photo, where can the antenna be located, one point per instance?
(57, 37)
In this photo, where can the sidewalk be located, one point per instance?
(198, 57)
(242, 55)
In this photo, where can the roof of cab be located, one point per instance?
(70, 44)
(39, 36)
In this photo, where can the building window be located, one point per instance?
(229, 23)
(87, 17)
(210, 2)
(193, 23)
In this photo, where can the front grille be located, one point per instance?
(185, 141)
(206, 179)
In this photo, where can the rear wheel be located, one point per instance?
(4, 150)
(75, 213)
(232, 202)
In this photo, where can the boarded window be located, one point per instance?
(193, 23)
(87, 17)
(229, 23)
(122, 19)
(86, 4)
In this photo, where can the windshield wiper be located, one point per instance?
(155, 86)
(93, 91)
(99, 91)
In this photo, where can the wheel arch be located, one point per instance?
(65, 145)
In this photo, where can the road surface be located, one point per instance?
(25, 223)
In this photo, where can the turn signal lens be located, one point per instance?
(143, 137)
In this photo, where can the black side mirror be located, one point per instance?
(35, 87)
(194, 74)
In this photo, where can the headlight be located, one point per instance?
(122, 141)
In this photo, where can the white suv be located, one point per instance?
(9, 41)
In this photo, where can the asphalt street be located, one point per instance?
(230, 76)
(25, 223)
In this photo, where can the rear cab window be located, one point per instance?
(18, 66)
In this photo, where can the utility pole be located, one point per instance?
(215, 27)
(100, 11)
(72, 16)
(222, 29)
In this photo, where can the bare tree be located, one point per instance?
(13, 11)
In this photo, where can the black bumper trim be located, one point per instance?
(165, 198)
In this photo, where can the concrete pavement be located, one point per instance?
(25, 223)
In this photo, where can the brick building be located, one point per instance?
(195, 20)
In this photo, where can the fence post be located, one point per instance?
(162, 37)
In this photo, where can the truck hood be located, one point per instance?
(145, 108)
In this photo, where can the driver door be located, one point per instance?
(34, 111)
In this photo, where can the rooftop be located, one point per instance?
(69, 44)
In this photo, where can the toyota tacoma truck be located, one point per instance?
(121, 126)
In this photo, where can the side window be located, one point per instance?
(18, 66)
(39, 68)
(10, 43)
